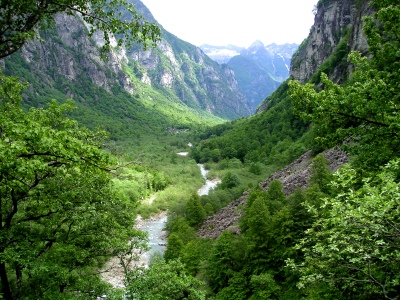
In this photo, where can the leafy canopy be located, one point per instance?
(60, 215)
(354, 244)
(163, 281)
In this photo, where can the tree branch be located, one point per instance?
(35, 218)
(362, 119)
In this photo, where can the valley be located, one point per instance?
(290, 193)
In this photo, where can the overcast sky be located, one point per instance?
(235, 22)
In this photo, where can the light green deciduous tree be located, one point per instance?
(354, 244)
(163, 281)
(60, 216)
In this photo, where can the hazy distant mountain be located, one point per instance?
(259, 69)
(221, 54)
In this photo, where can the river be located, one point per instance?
(155, 227)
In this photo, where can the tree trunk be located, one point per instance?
(18, 274)
(5, 286)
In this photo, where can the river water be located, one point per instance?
(209, 185)
(155, 227)
(157, 237)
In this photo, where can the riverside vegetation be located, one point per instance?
(69, 196)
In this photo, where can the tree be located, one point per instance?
(195, 213)
(225, 260)
(321, 176)
(194, 253)
(354, 244)
(257, 193)
(163, 281)
(174, 247)
(276, 197)
(264, 286)
(20, 19)
(60, 216)
(237, 288)
(229, 181)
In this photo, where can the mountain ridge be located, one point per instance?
(259, 69)
(65, 63)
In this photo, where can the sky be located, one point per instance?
(235, 22)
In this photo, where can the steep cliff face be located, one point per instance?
(336, 31)
(179, 67)
(357, 39)
(331, 20)
(65, 55)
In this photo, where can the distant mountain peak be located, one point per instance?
(259, 70)
(257, 45)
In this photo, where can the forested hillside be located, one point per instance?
(69, 195)
(337, 236)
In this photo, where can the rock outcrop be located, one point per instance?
(335, 20)
(179, 67)
(66, 53)
(295, 175)
(57, 52)
(331, 20)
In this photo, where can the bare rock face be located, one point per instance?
(295, 175)
(357, 40)
(71, 54)
(332, 20)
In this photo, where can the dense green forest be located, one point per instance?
(69, 194)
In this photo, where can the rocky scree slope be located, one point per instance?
(295, 175)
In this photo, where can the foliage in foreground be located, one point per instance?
(60, 216)
(353, 247)
(353, 244)
(163, 281)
